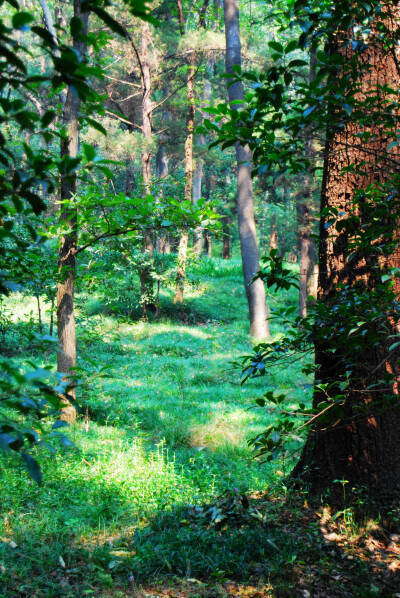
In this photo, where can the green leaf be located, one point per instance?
(89, 152)
(308, 111)
(75, 26)
(292, 45)
(96, 125)
(108, 20)
(276, 46)
(33, 467)
(21, 20)
(48, 117)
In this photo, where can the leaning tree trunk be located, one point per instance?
(255, 292)
(360, 444)
(66, 354)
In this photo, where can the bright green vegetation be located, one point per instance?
(168, 428)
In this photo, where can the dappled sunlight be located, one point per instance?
(224, 429)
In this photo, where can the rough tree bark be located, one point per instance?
(66, 354)
(146, 279)
(255, 292)
(363, 446)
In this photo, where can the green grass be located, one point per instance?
(168, 428)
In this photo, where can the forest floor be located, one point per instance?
(161, 496)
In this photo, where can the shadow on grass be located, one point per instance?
(273, 548)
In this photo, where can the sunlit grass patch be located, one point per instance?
(224, 429)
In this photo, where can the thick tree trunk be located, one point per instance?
(66, 355)
(361, 445)
(255, 292)
(183, 243)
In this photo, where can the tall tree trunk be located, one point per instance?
(66, 355)
(207, 243)
(226, 226)
(183, 243)
(145, 269)
(361, 444)
(199, 169)
(305, 218)
(197, 180)
(162, 241)
(255, 292)
(146, 107)
(129, 177)
(273, 238)
(226, 242)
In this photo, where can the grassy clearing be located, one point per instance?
(129, 510)
(168, 428)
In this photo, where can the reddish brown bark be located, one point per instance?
(66, 354)
(361, 445)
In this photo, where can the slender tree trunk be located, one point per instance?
(273, 239)
(129, 177)
(207, 243)
(39, 308)
(226, 226)
(146, 107)
(162, 241)
(305, 218)
(360, 446)
(197, 180)
(146, 280)
(51, 326)
(199, 169)
(183, 243)
(226, 244)
(66, 355)
(255, 292)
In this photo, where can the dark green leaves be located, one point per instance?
(109, 21)
(275, 274)
(33, 467)
(21, 20)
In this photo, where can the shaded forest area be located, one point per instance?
(199, 314)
